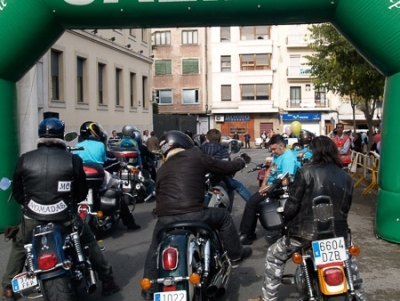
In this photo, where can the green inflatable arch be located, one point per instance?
(29, 28)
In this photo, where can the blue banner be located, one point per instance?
(301, 117)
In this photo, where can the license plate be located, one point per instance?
(329, 250)
(21, 282)
(170, 296)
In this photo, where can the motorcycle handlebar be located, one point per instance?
(258, 167)
(72, 148)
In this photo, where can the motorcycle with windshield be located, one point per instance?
(56, 262)
(324, 266)
(192, 262)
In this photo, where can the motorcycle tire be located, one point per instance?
(58, 289)
(342, 297)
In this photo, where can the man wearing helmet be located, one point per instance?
(180, 196)
(131, 136)
(303, 152)
(93, 139)
(45, 177)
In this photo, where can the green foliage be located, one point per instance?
(338, 67)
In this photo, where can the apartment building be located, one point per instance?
(97, 75)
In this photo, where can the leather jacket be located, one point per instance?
(180, 180)
(311, 181)
(49, 181)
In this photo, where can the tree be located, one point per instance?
(338, 67)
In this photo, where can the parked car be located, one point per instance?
(226, 139)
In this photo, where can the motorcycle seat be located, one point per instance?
(196, 227)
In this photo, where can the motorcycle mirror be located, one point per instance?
(234, 147)
(5, 183)
(70, 136)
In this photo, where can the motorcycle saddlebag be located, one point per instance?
(109, 200)
(94, 174)
(270, 219)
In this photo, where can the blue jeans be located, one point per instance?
(216, 218)
(239, 188)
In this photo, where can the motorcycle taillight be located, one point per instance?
(170, 258)
(333, 276)
(47, 261)
(83, 211)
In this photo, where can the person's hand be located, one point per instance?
(263, 190)
(241, 160)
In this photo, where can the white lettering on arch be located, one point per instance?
(396, 4)
(86, 2)
(3, 4)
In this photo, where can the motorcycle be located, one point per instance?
(56, 262)
(324, 271)
(137, 184)
(192, 262)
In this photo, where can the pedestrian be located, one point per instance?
(343, 144)
(247, 138)
(182, 198)
(235, 136)
(323, 176)
(152, 142)
(145, 137)
(35, 177)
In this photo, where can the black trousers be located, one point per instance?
(249, 218)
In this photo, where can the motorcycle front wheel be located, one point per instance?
(58, 289)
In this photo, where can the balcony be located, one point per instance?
(304, 104)
(297, 41)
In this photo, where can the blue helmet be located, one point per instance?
(51, 128)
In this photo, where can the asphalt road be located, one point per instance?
(379, 261)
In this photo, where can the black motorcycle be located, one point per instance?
(56, 263)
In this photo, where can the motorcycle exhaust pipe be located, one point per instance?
(213, 288)
(91, 284)
(224, 283)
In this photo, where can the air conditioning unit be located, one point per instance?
(219, 118)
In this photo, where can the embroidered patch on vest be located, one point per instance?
(64, 186)
(47, 209)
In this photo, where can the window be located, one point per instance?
(189, 37)
(190, 96)
(254, 33)
(190, 66)
(226, 92)
(320, 97)
(164, 97)
(163, 67)
(225, 34)
(55, 74)
(118, 86)
(162, 38)
(226, 63)
(145, 92)
(255, 61)
(100, 85)
(295, 96)
(80, 73)
(144, 34)
(256, 91)
(132, 90)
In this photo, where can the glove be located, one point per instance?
(240, 159)
(246, 158)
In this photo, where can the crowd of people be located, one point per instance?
(316, 165)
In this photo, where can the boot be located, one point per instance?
(109, 287)
(7, 292)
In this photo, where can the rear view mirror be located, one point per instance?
(234, 147)
(70, 136)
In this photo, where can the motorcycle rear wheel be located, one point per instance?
(58, 289)
(342, 297)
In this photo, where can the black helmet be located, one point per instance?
(175, 139)
(51, 128)
(129, 131)
(91, 130)
(305, 137)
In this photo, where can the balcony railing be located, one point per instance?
(307, 103)
(298, 71)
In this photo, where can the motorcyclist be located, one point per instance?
(302, 151)
(180, 196)
(93, 139)
(215, 149)
(129, 132)
(43, 178)
(283, 161)
(323, 176)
